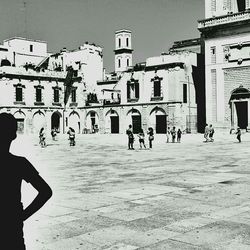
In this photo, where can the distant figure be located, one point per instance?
(238, 133)
(206, 133)
(14, 170)
(168, 134)
(179, 133)
(173, 133)
(211, 133)
(141, 136)
(131, 138)
(71, 133)
(150, 136)
(42, 138)
(53, 134)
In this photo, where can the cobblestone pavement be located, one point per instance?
(188, 195)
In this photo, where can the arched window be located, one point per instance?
(127, 42)
(127, 61)
(119, 42)
(119, 63)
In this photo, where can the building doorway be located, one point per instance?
(114, 124)
(242, 114)
(136, 123)
(55, 121)
(239, 102)
(161, 124)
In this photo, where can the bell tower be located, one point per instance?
(123, 50)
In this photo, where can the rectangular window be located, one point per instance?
(213, 54)
(213, 5)
(127, 43)
(73, 95)
(184, 93)
(214, 94)
(38, 95)
(157, 88)
(119, 41)
(31, 48)
(127, 62)
(119, 63)
(19, 94)
(56, 95)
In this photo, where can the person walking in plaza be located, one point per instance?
(211, 133)
(206, 133)
(168, 133)
(238, 133)
(150, 136)
(173, 133)
(15, 169)
(71, 134)
(179, 133)
(131, 138)
(53, 134)
(141, 136)
(42, 138)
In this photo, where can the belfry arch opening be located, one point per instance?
(240, 107)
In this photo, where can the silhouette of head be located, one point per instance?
(130, 126)
(8, 127)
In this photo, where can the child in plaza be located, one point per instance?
(168, 134)
(173, 133)
(179, 133)
(238, 133)
(131, 138)
(71, 134)
(15, 169)
(42, 138)
(150, 136)
(211, 133)
(141, 136)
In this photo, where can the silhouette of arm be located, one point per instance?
(44, 194)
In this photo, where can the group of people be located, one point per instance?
(141, 136)
(209, 133)
(54, 131)
(175, 134)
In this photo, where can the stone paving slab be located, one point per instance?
(190, 195)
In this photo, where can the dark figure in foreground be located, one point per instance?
(238, 133)
(179, 133)
(150, 136)
(72, 136)
(15, 169)
(131, 138)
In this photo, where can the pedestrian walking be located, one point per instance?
(71, 133)
(131, 138)
(15, 169)
(173, 133)
(53, 134)
(141, 136)
(42, 138)
(150, 136)
(211, 133)
(168, 133)
(179, 133)
(206, 133)
(238, 133)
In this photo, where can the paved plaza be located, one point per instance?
(189, 195)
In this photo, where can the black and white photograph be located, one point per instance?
(125, 124)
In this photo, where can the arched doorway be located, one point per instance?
(92, 122)
(55, 121)
(239, 102)
(74, 121)
(20, 117)
(39, 121)
(134, 118)
(112, 122)
(158, 120)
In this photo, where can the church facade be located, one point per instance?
(225, 33)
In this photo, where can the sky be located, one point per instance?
(155, 24)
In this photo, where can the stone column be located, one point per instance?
(247, 4)
(248, 114)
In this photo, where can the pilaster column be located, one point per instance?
(247, 4)
(248, 113)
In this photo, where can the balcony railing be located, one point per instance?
(111, 101)
(230, 18)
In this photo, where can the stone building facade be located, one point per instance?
(226, 43)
